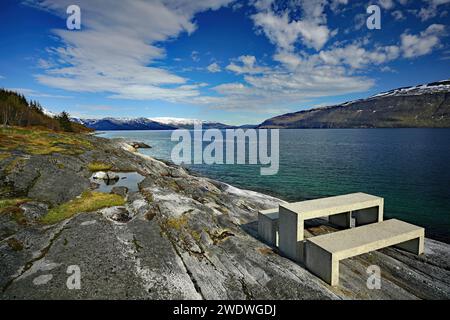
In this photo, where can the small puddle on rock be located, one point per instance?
(126, 179)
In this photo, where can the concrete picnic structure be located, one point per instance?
(324, 252)
(283, 227)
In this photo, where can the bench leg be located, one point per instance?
(268, 230)
(415, 246)
(290, 231)
(367, 216)
(322, 264)
(343, 220)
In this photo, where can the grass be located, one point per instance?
(5, 203)
(4, 155)
(39, 141)
(177, 223)
(99, 166)
(11, 208)
(89, 201)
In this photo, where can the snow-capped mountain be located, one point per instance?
(189, 123)
(421, 106)
(161, 123)
(434, 87)
(48, 113)
(123, 124)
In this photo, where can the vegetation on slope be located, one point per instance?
(16, 110)
(41, 141)
(89, 201)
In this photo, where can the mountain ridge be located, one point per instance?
(420, 106)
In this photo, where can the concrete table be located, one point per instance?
(366, 209)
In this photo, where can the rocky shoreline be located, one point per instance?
(178, 236)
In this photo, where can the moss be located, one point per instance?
(11, 207)
(137, 246)
(14, 164)
(150, 215)
(265, 251)
(4, 155)
(99, 166)
(39, 141)
(220, 235)
(89, 201)
(15, 244)
(4, 203)
(177, 223)
(196, 235)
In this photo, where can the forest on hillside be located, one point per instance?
(16, 110)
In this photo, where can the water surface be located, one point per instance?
(410, 168)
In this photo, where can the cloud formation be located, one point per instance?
(113, 52)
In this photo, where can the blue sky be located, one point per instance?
(236, 62)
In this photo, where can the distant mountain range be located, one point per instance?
(419, 106)
(163, 123)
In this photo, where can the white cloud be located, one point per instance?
(246, 65)
(398, 15)
(431, 10)
(214, 67)
(386, 4)
(37, 94)
(357, 57)
(423, 43)
(116, 47)
(284, 32)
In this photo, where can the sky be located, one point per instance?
(236, 62)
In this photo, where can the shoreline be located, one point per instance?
(433, 236)
(180, 236)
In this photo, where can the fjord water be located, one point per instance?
(410, 168)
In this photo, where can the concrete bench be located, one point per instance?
(324, 252)
(268, 226)
(366, 209)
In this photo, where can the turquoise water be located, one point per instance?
(410, 168)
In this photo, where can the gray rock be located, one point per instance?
(179, 237)
(34, 210)
(100, 175)
(117, 214)
(121, 191)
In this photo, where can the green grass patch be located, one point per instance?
(5, 203)
(99, 166)
(39, 141)
(89, 201)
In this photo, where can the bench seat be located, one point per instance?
(323, 253)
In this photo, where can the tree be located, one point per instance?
(64, 122)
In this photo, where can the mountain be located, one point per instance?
(162, 123)
(423, 106)
(106, 124)
(182, 123)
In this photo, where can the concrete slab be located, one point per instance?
(268, 226)
(323, 253)
(369, 209)
(333, 205)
